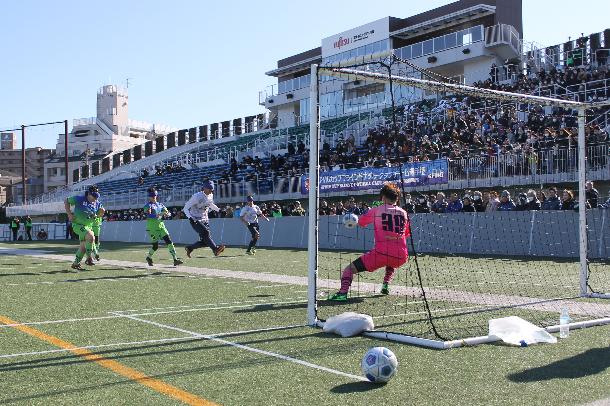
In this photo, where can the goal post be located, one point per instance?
(447, 300)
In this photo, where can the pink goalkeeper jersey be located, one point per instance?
(391, 229)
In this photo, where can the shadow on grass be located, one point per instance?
(590, 362)
(355, 387)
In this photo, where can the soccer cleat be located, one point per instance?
(76, 266)
(149, 261)
(219, 250)
(385, 289)
(89, 262)
(338, 297)
(97, 257)
(178, 261)
(188, 251)
(250, 252)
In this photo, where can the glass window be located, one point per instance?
(376, 47)
(369, 49)
(416, 50)
(450, 40)
(466, 37)
(427, 47)
(282, 87)
(476, 33)
(406, 52)
(361, 51)
(439, 44)
(384, 45)
(353, 53)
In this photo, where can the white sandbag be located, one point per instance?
(516, 331)
(349, 324)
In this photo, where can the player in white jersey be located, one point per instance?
(249, 215)
(196, 210)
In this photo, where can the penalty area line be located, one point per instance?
(248, 348)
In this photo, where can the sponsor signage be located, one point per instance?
(413, 174)
(357, 37)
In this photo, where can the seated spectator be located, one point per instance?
(505, 203)
(492, 204)
(552, 202)
(455, 204)
(42, 234)
(409, 206)
(276, 210)
(532, 201)
(521, 202)
(467, 206)
(297, 209)
(591, 194)
(440, 205)
(567, 200)
(324, 210)
(339, 210)
(422, 205)
(477, 200)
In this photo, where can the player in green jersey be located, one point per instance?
(156, 229)
(86, 209)
(96, 227)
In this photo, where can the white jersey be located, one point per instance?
(250, 213)
(198, 205)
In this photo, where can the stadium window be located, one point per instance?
(406, 52)
(450, 40)
(466, 37)
(428, 47)
(476, 33)
(416, 50)
(368, 49)
(376, 47)
(439, 44)
(281, 87)
(361, 51)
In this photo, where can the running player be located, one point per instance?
(249, 215)
(390, 250)
(196, 210)
(156, 228)
(86, 208)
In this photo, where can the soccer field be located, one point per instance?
(227, 330)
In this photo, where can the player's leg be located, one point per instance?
(205, 240)
(96, 243)
(387, 278)
(254, 231)
(29, 233)
(172, 249)
(153, 248)
(347, 276)
(89, 242)
(80, 252)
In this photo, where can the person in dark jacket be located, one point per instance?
(591, 194)
(455, 204)
(422, 205)
(409, 206)
(505, 203)
(552, 202)
(477, 201)
(567, 200)
(521, 202)
(532, 202)
(467, 206)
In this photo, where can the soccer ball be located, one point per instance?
(379, 364)
(350, 220)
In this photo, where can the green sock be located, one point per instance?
(151, 252)
(172, 250)
(88, 248)
(79, 256)
(96, 247)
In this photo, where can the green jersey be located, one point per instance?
(154, 215)
(85, 212)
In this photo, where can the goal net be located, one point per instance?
(445, 145)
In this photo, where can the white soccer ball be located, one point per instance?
(379, 364)
(350, 220)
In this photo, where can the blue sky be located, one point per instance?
(191, 62)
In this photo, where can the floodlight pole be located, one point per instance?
(23, 191)
(312, 246)
(66, 151)
(582, 202)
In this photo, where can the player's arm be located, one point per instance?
(367, 218)
(211, 204)
(261, 214)
(242, 215)
(101, 211)
(67, 204)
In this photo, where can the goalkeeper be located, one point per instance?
(156, 229)
(86, 208)
(391, 226)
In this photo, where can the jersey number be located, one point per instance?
(395, 223)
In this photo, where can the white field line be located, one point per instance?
(251, 349)
(158, 341)
(119, 314)
(489, 299)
